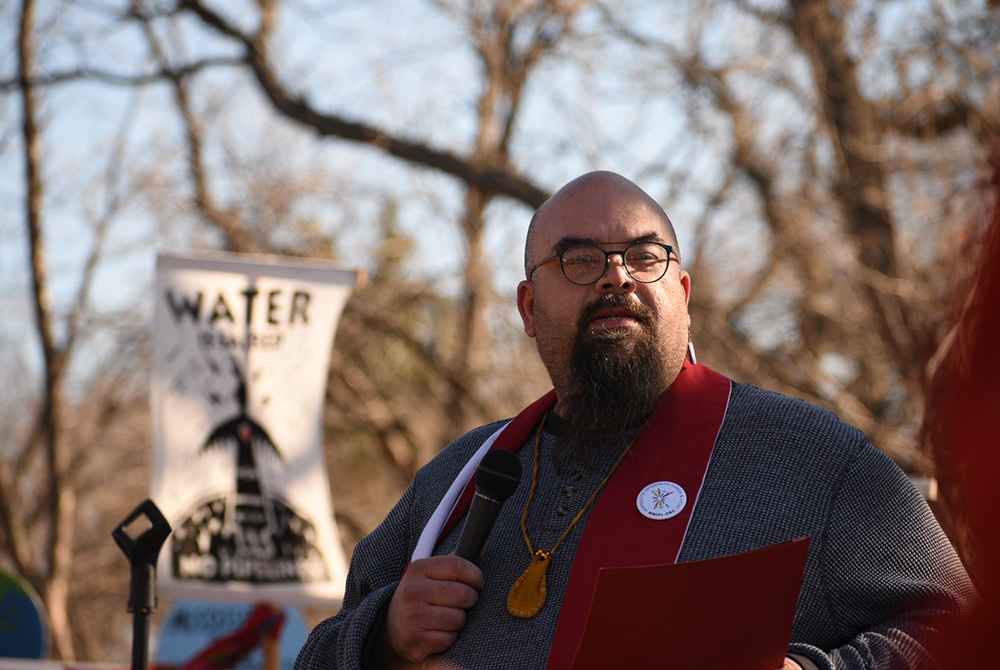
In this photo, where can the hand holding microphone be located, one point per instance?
(429, 605)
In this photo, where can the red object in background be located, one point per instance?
(963, 421)
(264, 621)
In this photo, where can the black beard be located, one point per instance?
(617, 382)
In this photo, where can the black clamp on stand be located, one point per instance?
(140, 536)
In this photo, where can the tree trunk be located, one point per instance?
(61, 500)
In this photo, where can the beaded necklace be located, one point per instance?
(527, 595)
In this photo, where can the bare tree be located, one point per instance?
(829, 171)
(52, 577)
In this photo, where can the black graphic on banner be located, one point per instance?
(255, 537)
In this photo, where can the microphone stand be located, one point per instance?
(140, 536)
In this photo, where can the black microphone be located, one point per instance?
(497, 478)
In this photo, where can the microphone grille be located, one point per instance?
(499, 473)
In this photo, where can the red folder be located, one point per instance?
(734, 612)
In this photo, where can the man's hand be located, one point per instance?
(790, 665)
(428, 608)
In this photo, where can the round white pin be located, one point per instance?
(661, 500)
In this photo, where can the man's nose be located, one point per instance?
(616, 275)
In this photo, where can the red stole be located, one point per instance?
(675, 445)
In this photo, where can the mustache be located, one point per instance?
(615, 301)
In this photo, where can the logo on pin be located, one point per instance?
(661, 500)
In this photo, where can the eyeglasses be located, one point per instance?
(584, 264)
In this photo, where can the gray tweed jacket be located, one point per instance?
(881, 574)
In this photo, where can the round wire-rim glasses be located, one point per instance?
(584, 264)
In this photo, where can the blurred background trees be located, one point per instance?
(827, 166)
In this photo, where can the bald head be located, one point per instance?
(605, 194)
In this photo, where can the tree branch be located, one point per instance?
(116, 79)
(491, 180)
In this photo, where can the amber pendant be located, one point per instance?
(527, 596)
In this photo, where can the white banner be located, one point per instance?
(241, 351)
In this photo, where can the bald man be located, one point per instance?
(606, 300)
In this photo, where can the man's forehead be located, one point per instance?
(560, 227)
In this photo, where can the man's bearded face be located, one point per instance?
(613, 346)
(617, 375)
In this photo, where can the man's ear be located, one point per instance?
(526, 306)
(686, 285)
